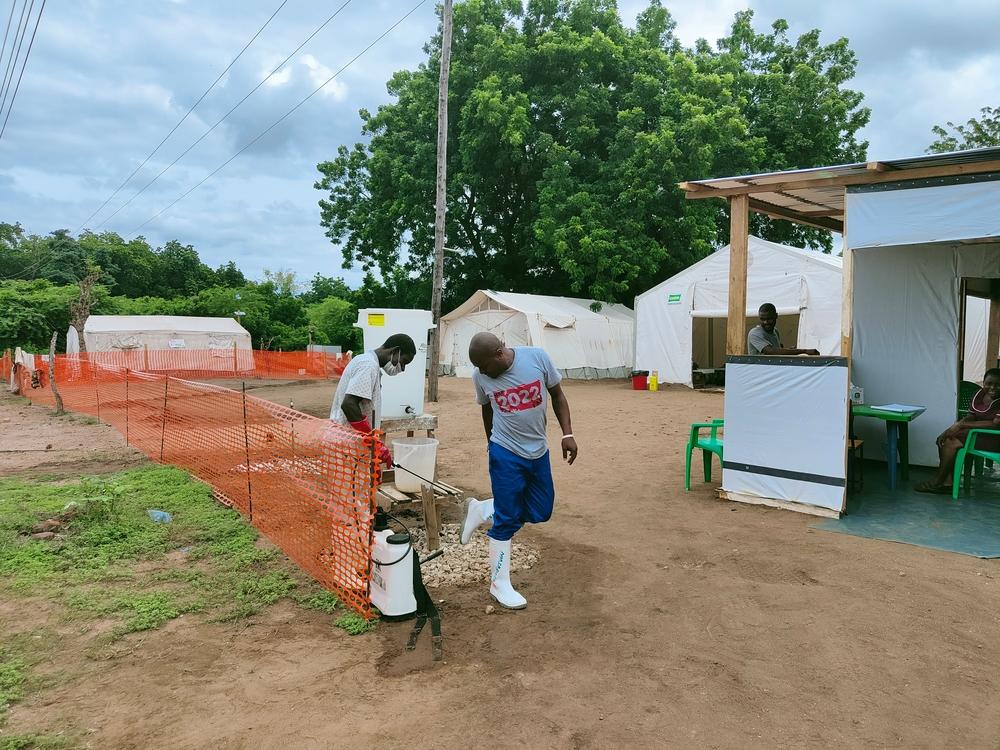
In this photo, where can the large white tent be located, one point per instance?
(683, 319)
(158, 342)
(586, 339)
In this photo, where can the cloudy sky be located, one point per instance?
(108, 79)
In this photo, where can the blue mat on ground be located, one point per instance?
(969, 525)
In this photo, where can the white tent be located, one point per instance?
(585, 339)
(170, 342)
(683, 319)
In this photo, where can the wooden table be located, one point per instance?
(409, 425)
(897, 431)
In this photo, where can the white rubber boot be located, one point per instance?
(477, 513)
(500, 586)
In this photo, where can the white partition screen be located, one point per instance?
(786, 430)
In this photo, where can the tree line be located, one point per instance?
(42, 277)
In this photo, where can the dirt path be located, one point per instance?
(657, 618)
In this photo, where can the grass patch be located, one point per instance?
(111, 561)
(13, 675)
(355, 624)
(34, 742)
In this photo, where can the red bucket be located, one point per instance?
(640, 381)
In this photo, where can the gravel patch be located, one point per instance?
(465, 564)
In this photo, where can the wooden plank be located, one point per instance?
(396, 495)
(410, 424)
(739, 230)
(993, 335)
(701, 190)
(430, 517)
(777, 212)
(812, 510)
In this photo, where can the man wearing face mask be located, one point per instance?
(358, 401)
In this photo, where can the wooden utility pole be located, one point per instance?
(439, 200)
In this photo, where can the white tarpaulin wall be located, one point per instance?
(799, 282)
(786, 427)
(157, 341)
(908, 268)
(582, 343)
(977, 321)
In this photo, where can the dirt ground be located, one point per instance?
(656, 618)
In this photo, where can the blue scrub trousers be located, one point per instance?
(522, 491)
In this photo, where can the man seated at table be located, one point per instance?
(984, 414)
(764, 338)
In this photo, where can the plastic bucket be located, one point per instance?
(418, 454)
(639, 380)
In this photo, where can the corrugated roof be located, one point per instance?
(815, 196)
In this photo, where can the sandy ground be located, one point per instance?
(656, 618)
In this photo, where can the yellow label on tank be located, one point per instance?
(376, 319)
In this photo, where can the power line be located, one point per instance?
(181, 121)
(10, 107)
(225, 116)
(279, 120)
(12, 59)
(3, 47)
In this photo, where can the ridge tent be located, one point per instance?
(683, 319)
(170, 342)
(586, 339)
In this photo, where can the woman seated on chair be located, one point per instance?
(984, 414)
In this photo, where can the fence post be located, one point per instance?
(163, 428)
(246, 445)
(52, 373)
(97, 390)
(126, 406)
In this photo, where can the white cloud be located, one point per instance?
(319, 73)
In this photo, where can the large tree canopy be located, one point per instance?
(567, 135)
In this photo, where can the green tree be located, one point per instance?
(567, 135)
(179, 271)
(975, 133)
(31, 310)
(333, 320)
(320, 287)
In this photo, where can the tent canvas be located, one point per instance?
(803, 283)
(584, 340)
(913, 245)
(158, 342)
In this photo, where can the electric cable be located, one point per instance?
(204, 135)
(181, 121)
(10, 107)
(278, 121)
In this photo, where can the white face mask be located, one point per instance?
(392, 368)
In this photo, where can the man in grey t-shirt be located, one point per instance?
(513, 387)
(764, 339)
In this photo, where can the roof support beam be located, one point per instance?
(702, 190)
(810, 219)
(739, 240)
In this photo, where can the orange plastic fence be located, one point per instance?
(307, 484)
(227, 362)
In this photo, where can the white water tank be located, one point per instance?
(402, 395)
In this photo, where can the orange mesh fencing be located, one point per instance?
(227, 362)
(307, 484)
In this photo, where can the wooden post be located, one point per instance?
(430, 517)
(163, 426)
(126, 406)
(246, 446)
(847, 302)
(739, 237)
(52, 373)
(439, 200)
(993, 334)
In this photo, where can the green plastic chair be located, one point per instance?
(709, 445)
(966, 392)
(967, 452)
